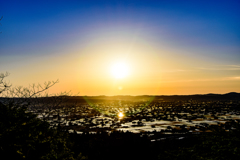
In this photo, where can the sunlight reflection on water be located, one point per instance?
(120, 115)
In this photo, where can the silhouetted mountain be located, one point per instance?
(210, 96)
(232, 93)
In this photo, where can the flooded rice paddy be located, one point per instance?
(166, 117)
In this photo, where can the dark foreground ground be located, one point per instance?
(218, 145)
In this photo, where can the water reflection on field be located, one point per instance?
(178, 117)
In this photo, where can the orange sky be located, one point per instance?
(167, 48)
(152, 70)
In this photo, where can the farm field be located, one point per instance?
(143, 115)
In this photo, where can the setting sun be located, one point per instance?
(119, 79)
(120, 70)
(120, 48)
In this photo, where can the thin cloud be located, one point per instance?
(234, 78)
(222, 68)
(237, 66)
(175, 70)
(205, 80)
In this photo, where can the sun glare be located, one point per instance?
(120, 115)
(119, 70)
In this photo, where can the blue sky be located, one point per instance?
(206, 31)
(198, 23)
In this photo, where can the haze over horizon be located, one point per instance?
(122, 47)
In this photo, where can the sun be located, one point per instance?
(120, 70)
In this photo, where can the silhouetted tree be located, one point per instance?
(22, 135)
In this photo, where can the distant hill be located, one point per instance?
(232, 93)
(210, 96)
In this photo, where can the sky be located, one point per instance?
(127, 47)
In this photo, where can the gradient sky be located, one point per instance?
(170, 47)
